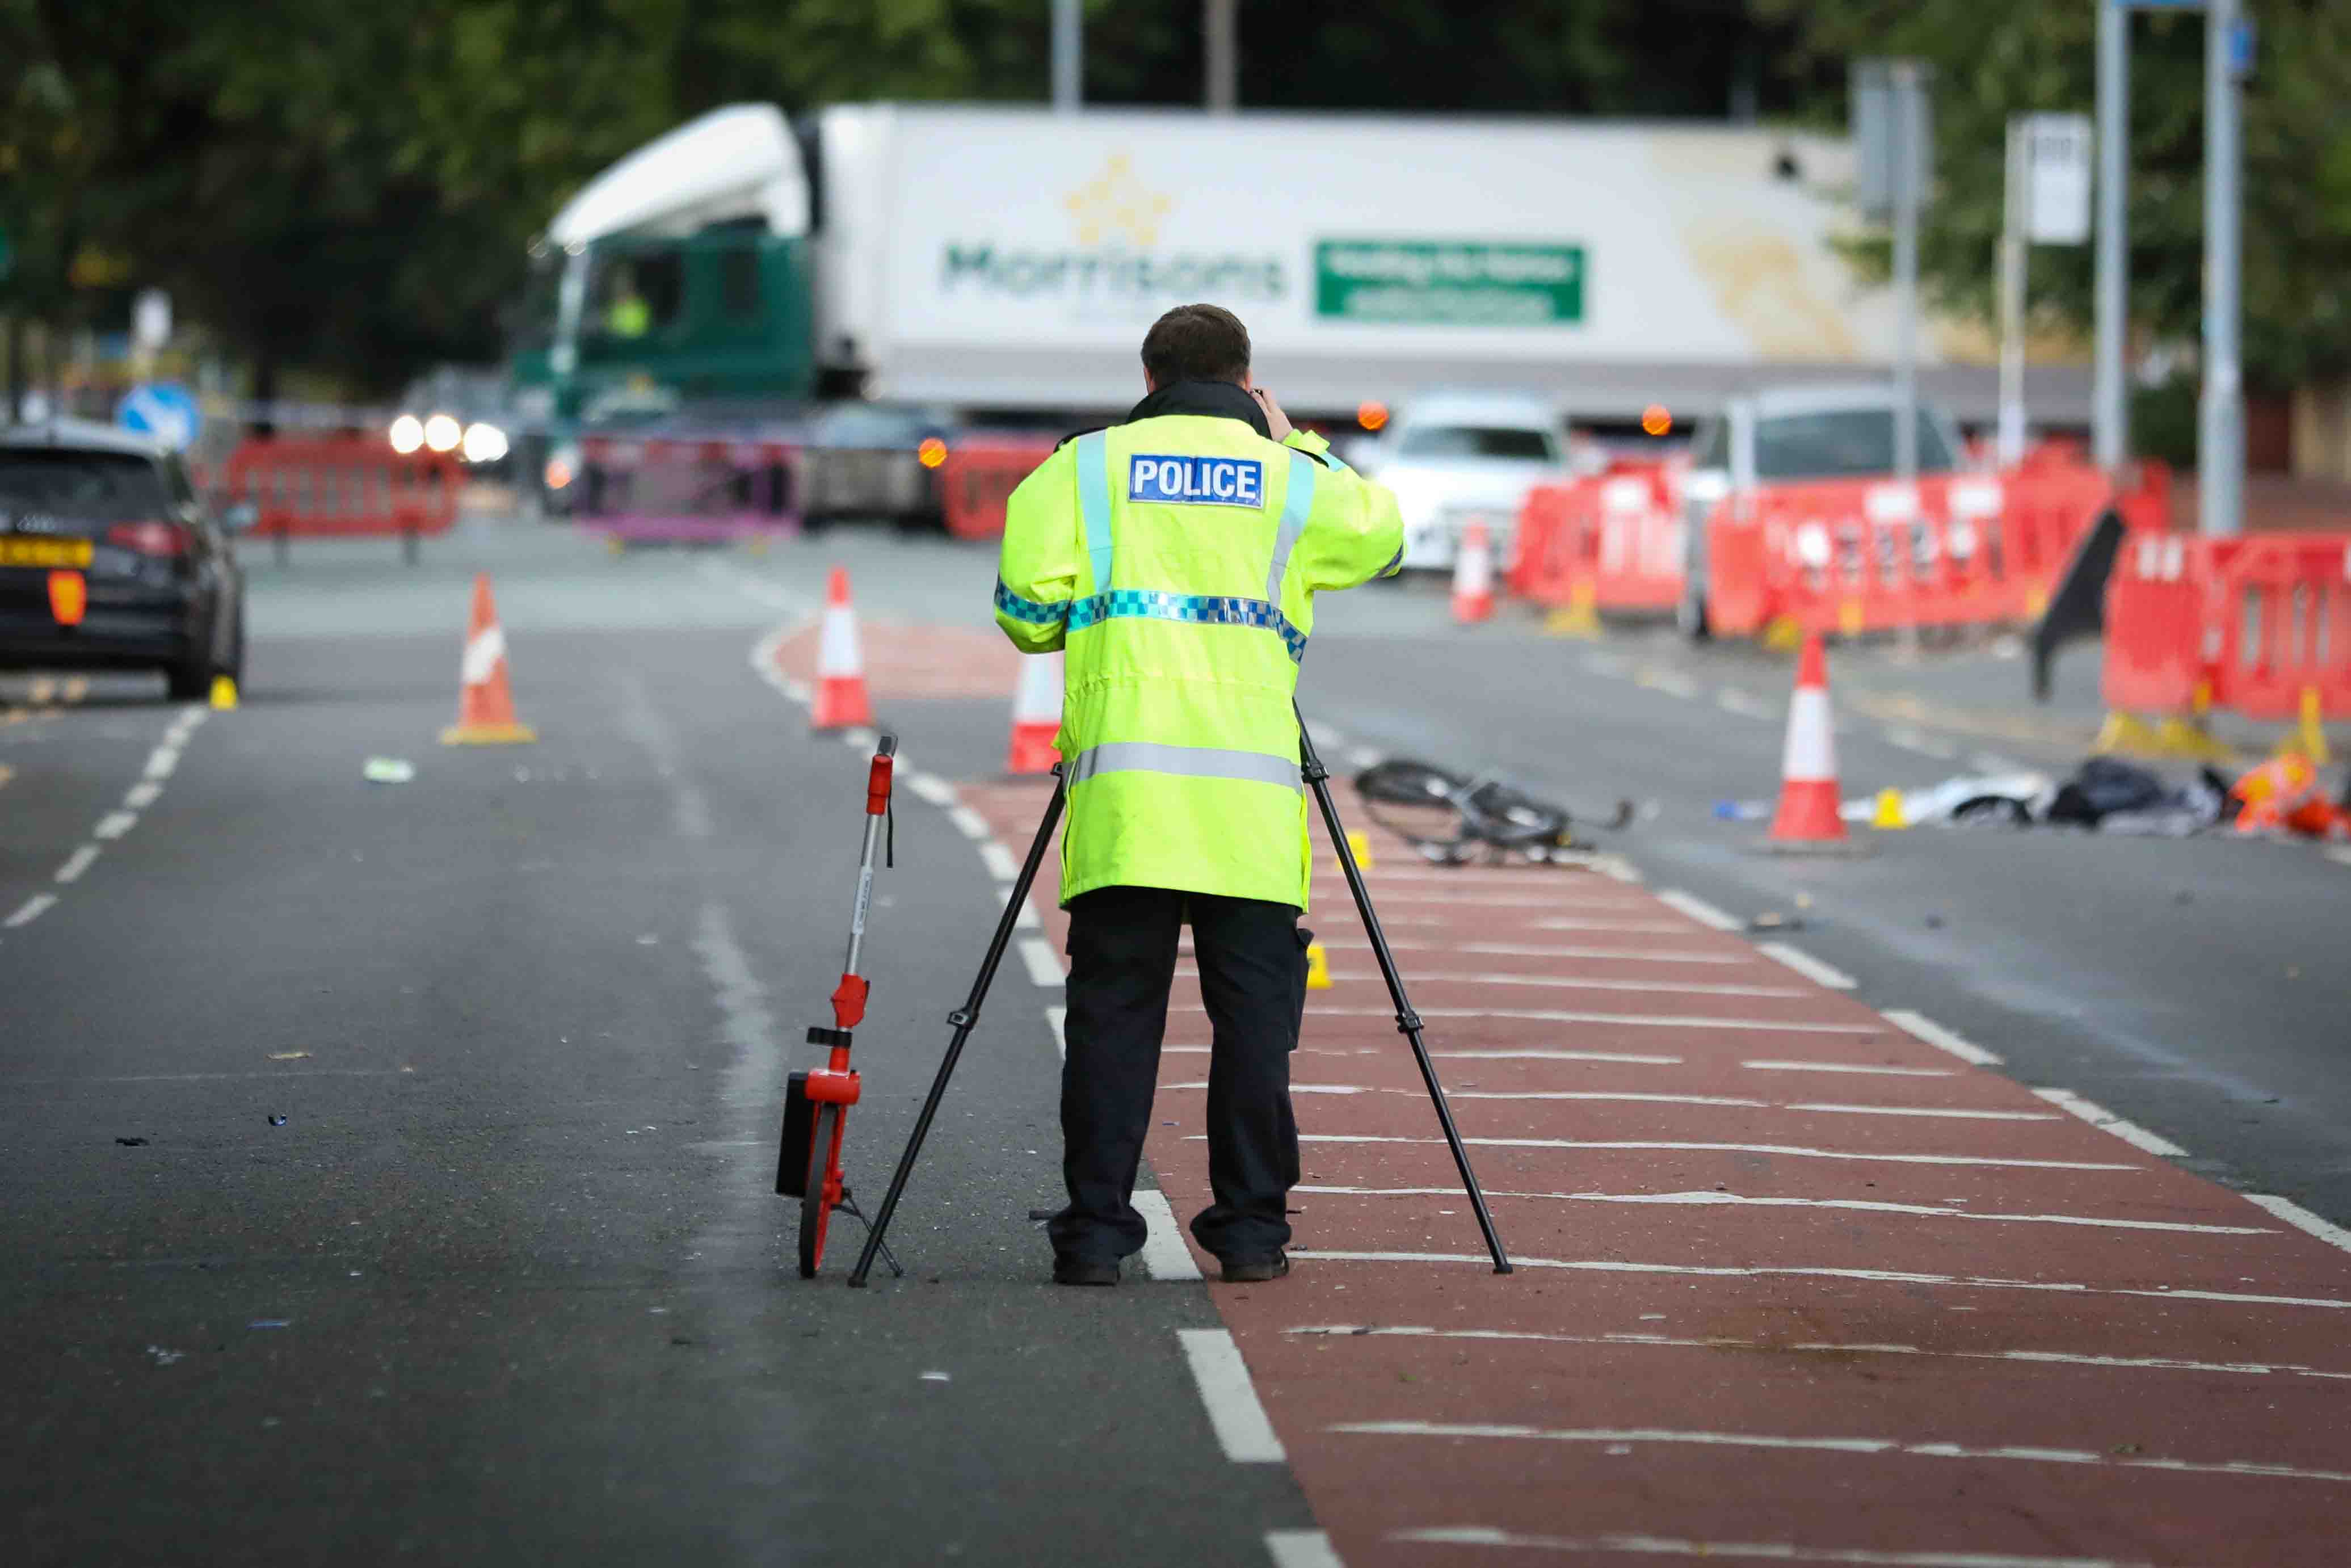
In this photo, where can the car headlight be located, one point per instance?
(483, 442)
(442, 433)
(407, 434)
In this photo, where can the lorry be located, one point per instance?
(1002, 262)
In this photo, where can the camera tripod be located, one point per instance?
(965, 1017)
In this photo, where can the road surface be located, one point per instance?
(391, 1163)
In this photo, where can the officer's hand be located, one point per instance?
(1277, 421)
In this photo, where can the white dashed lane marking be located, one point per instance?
(1934, 1034)
(1804, 963)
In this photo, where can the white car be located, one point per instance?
(1452, 457)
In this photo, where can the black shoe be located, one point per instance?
(1255, 1270)
(1080, 1271)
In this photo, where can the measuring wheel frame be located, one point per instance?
(822, 1194)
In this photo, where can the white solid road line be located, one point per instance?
(1832, 1445)
(1165, 1256)
(1642, 1020)
(1925, 1111)
(1059, 1019)
(1874, 1276)
(1560, 982)
(1924, 1028)
(1790, 1151)
(1697, 909)
(935, 790)
(1849, 1067)
(1731, 699)
(1518, 950)
(2339, 854)
(1234, 1411)
(29, 910)
(1740, 1550)
(77, 864)
(1302, 1549)
(1864, 1205)
(1044, 964)
(999, 861)
(2106, 1121)
(1830, 1348)
(2301, 1219)
(1804, 963)
(970, 824)
(1629, 1058)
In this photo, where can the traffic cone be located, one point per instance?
(1473, 575)
(841, 700)
(486, 711)
(1036, 715)
(1808, 814)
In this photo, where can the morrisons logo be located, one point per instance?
(1111, 273)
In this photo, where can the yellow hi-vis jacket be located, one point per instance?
(1175, 561)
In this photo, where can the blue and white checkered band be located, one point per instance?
(1035, 612)
(1198, 608)
(1196, 481)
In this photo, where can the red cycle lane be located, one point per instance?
(1793, 1285)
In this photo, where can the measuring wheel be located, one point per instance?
(823, 1189)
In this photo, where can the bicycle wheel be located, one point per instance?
(822, 1191)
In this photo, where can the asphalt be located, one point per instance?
(509, 1283)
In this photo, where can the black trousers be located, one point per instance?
(1252, 961)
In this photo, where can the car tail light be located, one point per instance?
(68, 596)
(150, 539)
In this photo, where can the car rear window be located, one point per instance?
(1842, 442)
(1478, 440)
(100, 486)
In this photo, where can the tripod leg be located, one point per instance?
(964, 1019)
(1317, 778)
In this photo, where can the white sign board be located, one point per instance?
(151, 319)
(2057, 179)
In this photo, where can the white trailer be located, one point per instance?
(1011, 258)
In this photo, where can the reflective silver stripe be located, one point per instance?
(1295, 508)
(1190, 761)
(1093, 503)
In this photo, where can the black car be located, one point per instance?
(110, 560)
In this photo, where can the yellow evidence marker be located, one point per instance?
(1318, 968)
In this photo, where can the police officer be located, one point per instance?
(1175, 558)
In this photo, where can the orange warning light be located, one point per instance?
(1656, 419)
(68, 596)
(931, 452)
(1372, 414)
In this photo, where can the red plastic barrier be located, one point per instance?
(2260, 625)
(1609, 541)
(978, 477)
(304, 485)
(1852, 555)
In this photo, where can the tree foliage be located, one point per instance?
(352, 188)
(1995, 58)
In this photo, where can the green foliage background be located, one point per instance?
(351, 188)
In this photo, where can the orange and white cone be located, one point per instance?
(485, 710)
(1036, 715)
(841, 699)
(1473, 574)
(1808, 798)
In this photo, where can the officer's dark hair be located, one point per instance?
(1197, 343)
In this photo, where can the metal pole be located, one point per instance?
(2110, 407)
(965, 1019)
(1906, 269)
(1069, 55)
(1222, 27)
(2013, 255)
(1318, 779)
(2221, 449)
